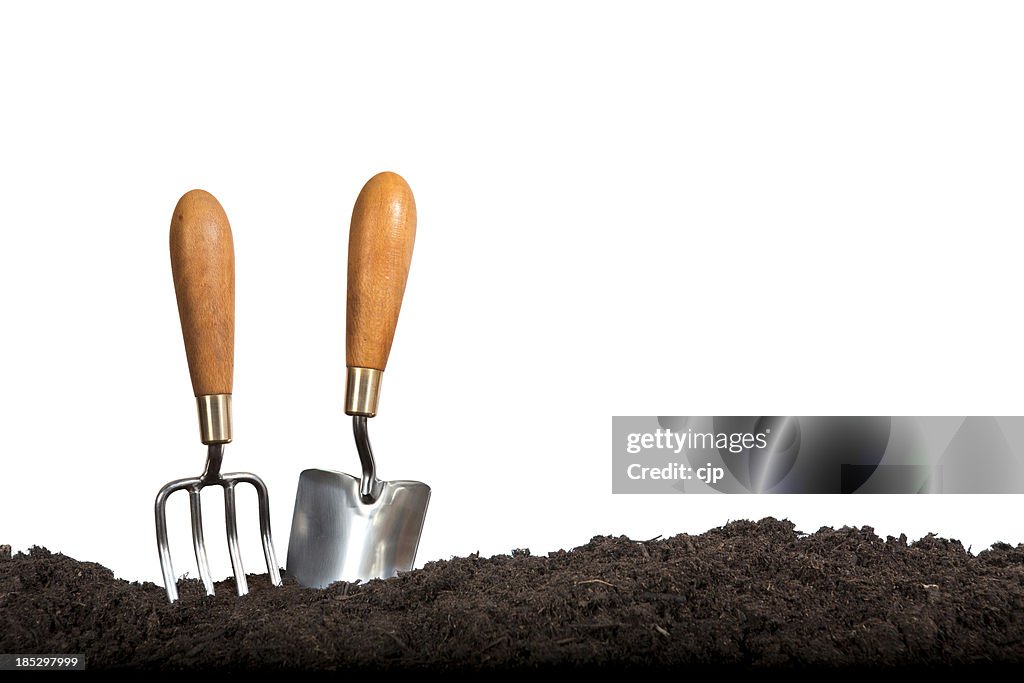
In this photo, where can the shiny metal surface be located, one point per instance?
(198, 542)
(214, 418)
(338, 537)
(212, 476)
(347, 528)
(362, 391)
(369, 485)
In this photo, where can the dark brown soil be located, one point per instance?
(747, 594)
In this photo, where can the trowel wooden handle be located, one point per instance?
(203, 264)
(379, 253)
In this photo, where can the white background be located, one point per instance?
(718, 208)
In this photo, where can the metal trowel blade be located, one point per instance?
(338, 537)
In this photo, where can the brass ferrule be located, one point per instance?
(214, 418)
(362, 391)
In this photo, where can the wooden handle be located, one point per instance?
(379, 252)
(203, 264)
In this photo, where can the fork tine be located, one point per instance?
(231, 521)
(195, 506)
(268, 542)
(160, 507)
(263, 497)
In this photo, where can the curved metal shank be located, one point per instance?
(369, 486)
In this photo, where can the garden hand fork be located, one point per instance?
(203, 264)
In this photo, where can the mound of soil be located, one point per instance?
(747, 594)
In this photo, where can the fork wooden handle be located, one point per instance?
(203, 264)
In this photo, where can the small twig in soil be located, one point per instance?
(611, 585)
(398, 640)
(662, 631)
(494, 643)
(662, 596)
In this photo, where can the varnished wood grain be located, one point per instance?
(379, 253)
(203, 264)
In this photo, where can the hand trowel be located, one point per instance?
(345, 527)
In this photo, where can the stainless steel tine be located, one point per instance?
(231, 521)
(263, 497)
(166, 566)
(195, 505)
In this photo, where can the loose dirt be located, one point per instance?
(746, 594)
